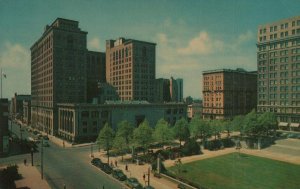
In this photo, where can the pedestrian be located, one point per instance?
(126, 167)
(116, 163)
(111, 164)
(25, 162)
(144, 176)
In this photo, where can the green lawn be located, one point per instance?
(241, 171)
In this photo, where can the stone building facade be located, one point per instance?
(82, 122)
(278, 63)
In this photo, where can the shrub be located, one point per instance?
(191, 147)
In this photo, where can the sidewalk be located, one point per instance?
(31, 178)
(137, 171)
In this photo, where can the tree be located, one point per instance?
(199, 128)
(120, 144)
(125, 131)
(228, 127)
(181, 130)
(105, 138)
(216, 127)
(142, 135)
(162, 132)
(251, 125)
(237, 123)
(268, 122)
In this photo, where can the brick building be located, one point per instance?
(227, 93)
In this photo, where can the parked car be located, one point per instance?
(97, 162)
(133, 183)
(106, 168)
(118, 174)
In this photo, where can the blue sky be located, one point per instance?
(191, 35)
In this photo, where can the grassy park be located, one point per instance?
(240, 171)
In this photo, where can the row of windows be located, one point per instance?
(282, 34)
(282, 26)
(285, 44)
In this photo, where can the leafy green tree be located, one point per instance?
(142, 135)
(181, 130)
(268, 122)
(228, 127)
(216, 127)
(125, 131)
(237, 123)
(251, 125)
(199, 128)
(120, 144)
(105, 138)
(162, 132)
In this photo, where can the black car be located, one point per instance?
(97, 162)
(106, 168)
(118, 174)
(133, 183)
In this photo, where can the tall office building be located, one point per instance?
(278, 62)
(95, 73)
(176, 90)
(227, 93)
(162, 90)
(130, 67)
(58, 71)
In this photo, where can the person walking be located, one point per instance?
(116, 163)
(126, 167)
(25, 161)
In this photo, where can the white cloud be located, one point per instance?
(202, 44)
(15, 62)
(94, 44)
(162, 38)
(245, 37)
(14, 56)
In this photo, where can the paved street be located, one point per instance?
(69, 166)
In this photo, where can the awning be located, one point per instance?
(294, 125)
(283, 124)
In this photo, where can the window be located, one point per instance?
(286, 33)
(271, 29)
(275, 28)
(286, 25)
(293, 23)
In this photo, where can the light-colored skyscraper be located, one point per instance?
(278, 62)
(130, 67)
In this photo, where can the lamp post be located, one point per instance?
(31, 151)
(92, 155)
(42, 159)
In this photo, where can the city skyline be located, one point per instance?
(191, 37)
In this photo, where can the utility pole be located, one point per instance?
(42, 160)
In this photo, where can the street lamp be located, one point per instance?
(92, 155)
(31, 151)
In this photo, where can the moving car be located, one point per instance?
(118, 174)
(133, 183)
